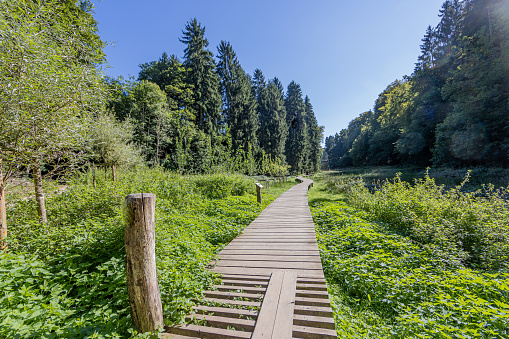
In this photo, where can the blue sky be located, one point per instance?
(342, 53)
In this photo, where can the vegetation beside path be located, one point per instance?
(413, 261)
(66, 278)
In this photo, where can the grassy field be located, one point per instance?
(66, 279)
(413, 261)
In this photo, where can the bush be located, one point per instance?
(67, 279)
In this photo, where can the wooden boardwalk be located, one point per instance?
(273, 283)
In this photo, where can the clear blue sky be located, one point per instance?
(342, 53)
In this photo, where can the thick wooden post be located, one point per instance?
(142, 285)
(3, 214)
(114, 172)
(259, 193)
(267, 183)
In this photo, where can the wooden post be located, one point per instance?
(142, 285)
(93, 176)
(267, 183)
(3, 214)
(259, 193)
(114, 172)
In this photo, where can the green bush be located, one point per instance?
(385, 285)
(66, 279)
(469, 228)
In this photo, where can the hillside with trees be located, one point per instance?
(453, 110)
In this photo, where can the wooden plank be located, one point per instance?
(226, 312)
(271, 264)
(283, 323)
(306, 332)
(270, 252)
(313, 321)
(231, 295)
(245, 289)
(313, 310)
(297, 258)
(230, 270)
(208, 332)
(267, 315)
(225, 322)
(234, 302)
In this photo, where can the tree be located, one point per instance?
(239, 100)
(315, 136)
(48, 52)
(111, 142)
(273, 122)
(200, 63)
(297, 142)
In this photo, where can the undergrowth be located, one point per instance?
(385, 284)
(67, 279)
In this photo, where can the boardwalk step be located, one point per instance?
(225, 322)
(232, 295)
(244, 289)
(197, 331)
(226, 312)
(241, 303)
(313, 321)
(306, 332)
(313, 310)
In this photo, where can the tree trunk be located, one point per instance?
(39, 192)
(114, 172)
(142, 285)
(3, 215)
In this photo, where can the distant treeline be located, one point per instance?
(453, 110)
(201, 114)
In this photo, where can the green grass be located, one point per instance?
(66, 279)
(385, 284)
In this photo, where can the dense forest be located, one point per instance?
(201, 114)
(453, 110)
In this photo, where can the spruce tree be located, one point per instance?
(315, 135)
(297, 143)
(273, 124)
(239, 102)
(200, 63)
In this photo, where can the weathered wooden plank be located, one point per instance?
(313, 321)
(283, 324)
(226, 312)
(267, 315)
(297, 258)
(233, 270)
(225, 322)
(270, 264)
(306, 332)
(234, 302)
(313, 310)
(208, 332)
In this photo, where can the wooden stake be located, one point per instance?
(114, 172)
(93, 176)
(259, 193)
(142, 285)
(3, 214)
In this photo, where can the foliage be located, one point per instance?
(384, 285)
(452, 111)
(467, 228)
(67, 278)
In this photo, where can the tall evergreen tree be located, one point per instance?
(274, 129)
(315, 135)
(200, 63)
(297, 142)
(239, 100)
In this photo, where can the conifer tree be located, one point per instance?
(315, 135)
(297, 143)
(202, 75)
(239, 101)
(273, 123)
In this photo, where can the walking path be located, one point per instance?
(273, 283)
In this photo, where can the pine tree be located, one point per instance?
(428, 49)
(239, 101)
(297, 143)
(202, 75)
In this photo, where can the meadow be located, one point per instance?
(66, 279)
(413, 260)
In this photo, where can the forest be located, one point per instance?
(199, 115)
(453, 110)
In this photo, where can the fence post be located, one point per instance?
(267, 182)
(3, 216)
(142, 285)
(259, 193)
